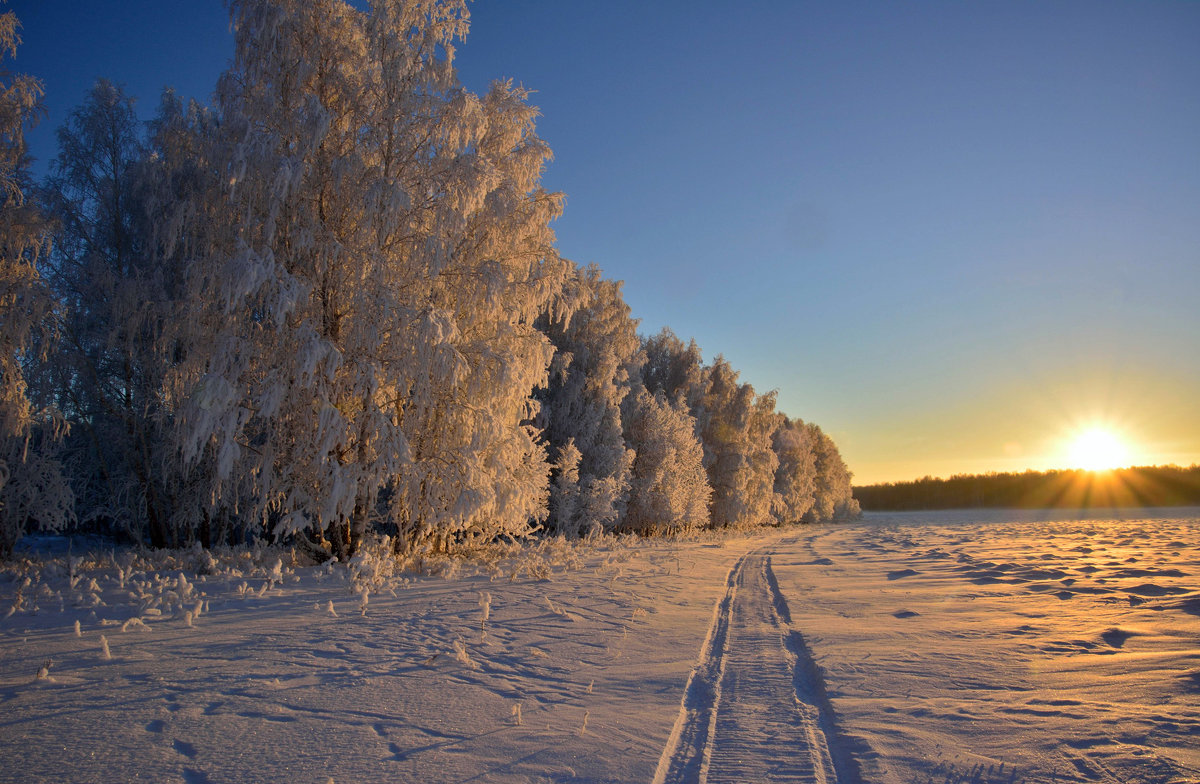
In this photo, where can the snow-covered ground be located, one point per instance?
(972, 647)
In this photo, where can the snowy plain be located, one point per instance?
(945, 647)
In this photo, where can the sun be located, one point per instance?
(1097, 448)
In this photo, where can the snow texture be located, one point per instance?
(952, 647)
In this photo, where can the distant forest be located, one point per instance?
(1076, 489)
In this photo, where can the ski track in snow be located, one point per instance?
(754, 708)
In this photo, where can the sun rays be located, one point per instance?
(1097, 448)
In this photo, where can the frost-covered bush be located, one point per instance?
(34, 493)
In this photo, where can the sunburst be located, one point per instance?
(1097, 448)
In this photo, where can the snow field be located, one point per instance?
(982, 647)
(978, 647)
(575, 673)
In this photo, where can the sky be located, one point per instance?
(951, 234)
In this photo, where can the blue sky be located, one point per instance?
(949, 233)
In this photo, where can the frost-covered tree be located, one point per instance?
(597, 345)
(833, 498)
(671, 367)
(371, 296)
(795, 475)
(565, 489)
(735, 428)
(32, 487)
(24, 235)
(108, 375)
(181, 192)
(669, 490)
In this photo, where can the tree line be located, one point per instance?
(1143, 486)
(329, 302)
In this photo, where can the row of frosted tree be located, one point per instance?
(330, 303)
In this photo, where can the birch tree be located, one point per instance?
(833, 496)
(183, 198)
(590, 377)
(795, 476)
(735, 428)
(25, 237)
(373, 300)
(672, 367)
(669, 490)
(33, 490)
(109, 373)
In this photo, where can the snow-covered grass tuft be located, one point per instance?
(158, 583)
(134, 623)
(374, 568)
(131, 587)
(462, 657)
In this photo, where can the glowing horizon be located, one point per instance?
(1098, 448)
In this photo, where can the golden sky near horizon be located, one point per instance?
(1074, 422)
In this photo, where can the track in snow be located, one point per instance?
(754, 708)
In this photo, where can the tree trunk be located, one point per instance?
(358, 528)
(315, 549)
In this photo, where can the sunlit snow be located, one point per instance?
(907, 647)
